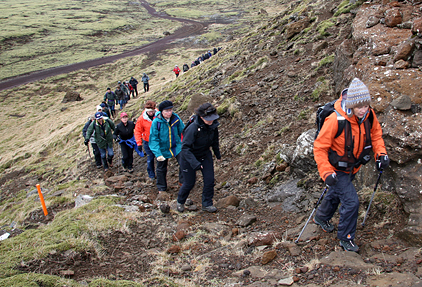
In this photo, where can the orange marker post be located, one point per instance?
(42, 200)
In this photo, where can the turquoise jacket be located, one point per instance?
(165, 137)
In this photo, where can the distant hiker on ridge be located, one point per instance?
(145, 80)
(338, 165)
(176, 71)
(134, 84)
(185, 68)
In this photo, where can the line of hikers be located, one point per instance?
(343, 143)
(121, 95)
(195, 62)
(159, 132)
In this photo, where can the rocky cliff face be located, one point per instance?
(269, 84)
(385, 51)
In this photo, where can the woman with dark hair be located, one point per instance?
(198, 138)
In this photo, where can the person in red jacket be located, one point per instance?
(176, 70)
(339, 159)
(142, 128)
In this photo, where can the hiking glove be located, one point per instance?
(331, 179)
(161, 158)
(382, 162)
(86, 142)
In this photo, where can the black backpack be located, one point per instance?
(323, 112)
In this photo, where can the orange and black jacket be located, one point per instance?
(326, 142)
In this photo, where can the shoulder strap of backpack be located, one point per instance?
(341, 123)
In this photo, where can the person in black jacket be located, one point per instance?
(134, 83)
(124, 134)
(198, 138)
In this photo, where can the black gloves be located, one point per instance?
(86, 142)
(331, 180)
(382, 162)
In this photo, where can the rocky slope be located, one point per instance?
(267, 86)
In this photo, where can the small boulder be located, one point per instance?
(402, 103)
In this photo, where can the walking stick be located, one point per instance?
(372, 197)
(87, 149)
(310, 216)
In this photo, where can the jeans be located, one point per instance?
(97, 154)
(162, 173)
(121, 103)
(146, 87)
(150, 159)
(345, 193)
(127, 156)
(189, 179)
(104, 152)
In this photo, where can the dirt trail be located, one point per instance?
(191, 28)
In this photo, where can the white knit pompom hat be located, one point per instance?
(357, 94)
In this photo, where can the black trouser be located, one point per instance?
(127, 156)
(146, 87)
(189, 179)
(162, 173)
(97, 154)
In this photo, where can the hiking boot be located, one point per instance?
(110, 164)
(210, 208)
(325, 225)
(180, 207)
(99, 166)
(130, 170)
(349, 245)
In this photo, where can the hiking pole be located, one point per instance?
(372, 197)
(312, 213)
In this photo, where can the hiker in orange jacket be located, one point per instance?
(338, 165)
(142, 128)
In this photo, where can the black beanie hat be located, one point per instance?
(165, 105)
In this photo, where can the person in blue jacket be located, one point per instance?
(165, 141)
(198, 139)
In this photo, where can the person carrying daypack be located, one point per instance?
(165, 141)
(340, 156)
(103, 129)
(199, 136)
(95, 150)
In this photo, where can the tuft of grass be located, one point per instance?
(323, 26)
(346, 7)
(327, 60)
